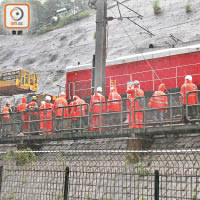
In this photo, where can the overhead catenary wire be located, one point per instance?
(122, 4)
(148, 63)
(156, 29)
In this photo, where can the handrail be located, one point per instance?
(49, 121)
(192, 109)
(170, 109)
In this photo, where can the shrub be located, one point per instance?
(142, 198)
(22, 157)
(156, 7)
(194, 197)
(188, 7)
(64, 21)
(64, 37)
(141, 170)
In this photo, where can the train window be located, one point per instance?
(9, 76)
(35, 79)
(26, 77)
(22, 77)
(31, 79)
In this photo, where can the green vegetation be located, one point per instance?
(141, 170)
(21, 158)
(59, 196)
(188, 7)
(24, 181)
(11, 195)
(64, 21)
(60, 157)
(142, 198)
(87, 197)
(132, 158)
(194, 197)
(156, 7)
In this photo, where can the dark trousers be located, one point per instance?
(158, 117)
(114, 118)
(6, 127)
(192, 113)
(59, 123)
(34, 124)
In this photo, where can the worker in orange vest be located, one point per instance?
(81, 111)
(135, 119)
(61, 111)
(159, 100)
(22, 107)
(190, 99)
(114, 106)
(33, 114)
(49, 114)
(6, 119)
(97, 107)
(72, 114)
(42, 112)
(77, 112)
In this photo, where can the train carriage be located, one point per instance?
(168, 66)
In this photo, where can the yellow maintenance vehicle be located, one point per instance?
(18, 82)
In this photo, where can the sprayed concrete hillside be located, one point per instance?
(49, 55)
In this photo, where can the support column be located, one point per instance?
(100, 49)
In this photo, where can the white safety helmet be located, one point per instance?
(136, 82)
(188, 77)
(47, 98)
(7, 102)
(99, 89)
(112, 88)
(42, 102)
(62, 94)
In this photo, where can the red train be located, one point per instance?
(168, 66)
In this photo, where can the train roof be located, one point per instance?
(141, 56)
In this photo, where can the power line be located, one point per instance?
(122, 4)
(148, 63)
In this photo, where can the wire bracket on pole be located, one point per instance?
(138, 14)
(120, 18)
(149, 32)
(175, 39)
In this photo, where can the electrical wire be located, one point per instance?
(156, 29)
(148, 63)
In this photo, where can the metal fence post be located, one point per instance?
(156, 188)
(66, 186)
(1, 177)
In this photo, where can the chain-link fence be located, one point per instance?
(100, 174)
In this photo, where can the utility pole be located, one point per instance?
(100, 48)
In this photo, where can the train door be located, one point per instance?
(71, 90)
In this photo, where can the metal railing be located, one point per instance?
(49, 121)
(109, 119)
(192, 107)
(170, 114)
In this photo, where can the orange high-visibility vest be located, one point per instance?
(158, 101)
(189, 87)
(5, 111)
(80, 111)
(31, 106)
(114, 105)
(58, 104)
(96, 105)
